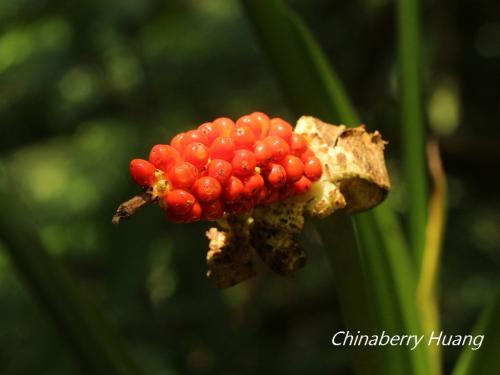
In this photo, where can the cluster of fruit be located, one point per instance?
(224, 166)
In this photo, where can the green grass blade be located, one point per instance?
(90, 338)
(301, 67)
(383, 295)
(352, 286)
(484, 360)
(384, 262)
(427, 291)
(412, 124)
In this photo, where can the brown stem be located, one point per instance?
(130, 207)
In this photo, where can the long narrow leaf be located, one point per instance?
(483, 360)
(301, 67)
(385, 266)
(90, 338)
(352, 286)
(427, 284)
(412, 124)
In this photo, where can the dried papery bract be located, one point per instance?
(355, 176)
(229, 257)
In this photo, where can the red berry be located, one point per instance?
(262, 152)
(244, 163)
(142, 172)
(176, 141)
(252, 123)
(232, 190)
(179, 202)
(253, 185)
(302, 186)
(213, 210)
(279, 147)
(192, 136)
(164, 157)
(210, 130)
(298, 144)
(294, 167)
(183, 175)
(263, 119)
(222, 148)
(196, 154)
(207, 189)
(307, 155)
(220, 169)
(194, 214)
(225, 124)
(243, 137)
(281, 128)
(276, 176)
(313, 168)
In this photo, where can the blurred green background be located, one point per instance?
(87, 86)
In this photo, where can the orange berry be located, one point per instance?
(281, 128)
(244, 163)
(196, 153)
(252, 123)
(294, 167)
(225, 124)
(176, 141)
(232, 190)
(193, 136)
(302, 186)
(252, 185)
(313, 168)
(207, 189)
(179, 202)
(276, 176)
(194, 214)
(142, 172)
(298, 144)
(243, 137)
(164, 157)
(220, 169)
(279, 147)
(222, 148)
(264, 121)
(183, 175)
(262, 152)
(210, 130)
(306, 155)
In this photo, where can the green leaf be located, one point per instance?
(300, 66)
(381, 258)
(91, 338)
(352, 285)
(484, 360)
(413, 141)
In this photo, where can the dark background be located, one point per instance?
(85, 86)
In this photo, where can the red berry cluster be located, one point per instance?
(224, 166)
